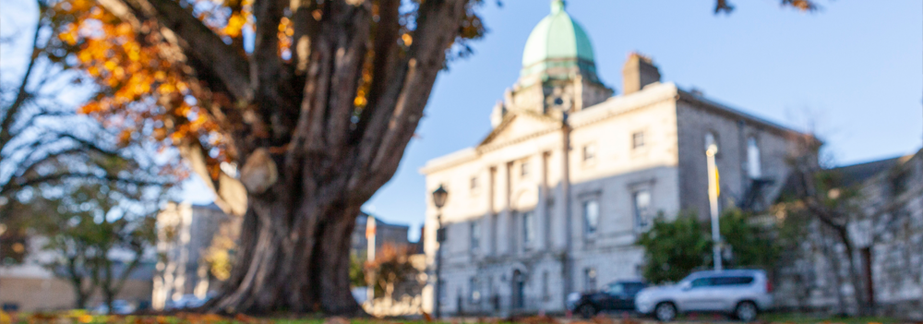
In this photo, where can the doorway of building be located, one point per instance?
(518, 294)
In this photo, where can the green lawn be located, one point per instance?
(807, 319)
(82, 317)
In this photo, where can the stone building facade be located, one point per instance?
(187, 235)
(553, 199)
(887, 237)
(31, 285)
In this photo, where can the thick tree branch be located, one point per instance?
(390, 129)
(385, 50)
(192, 36)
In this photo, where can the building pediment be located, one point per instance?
(517, 125)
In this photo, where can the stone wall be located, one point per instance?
(697, 117)
(890, 225)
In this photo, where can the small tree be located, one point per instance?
(391, 267)
(673, 249)
(98, 231)
(357, 271)
(752, 244)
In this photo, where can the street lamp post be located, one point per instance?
(439, 198)
(713, 192)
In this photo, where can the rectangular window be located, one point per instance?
(589, 281)
(637, 140)
(590, 216)
(528, 228)
(642, 207)
(546, 295)
(524, 169)
(753, 159)
(474, 183)
(440, 291)
(732, 281)
(475, 235)
(589, 153)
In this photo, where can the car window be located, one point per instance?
(616, 289)
(702, 282)
(634, 288)
(733, 281)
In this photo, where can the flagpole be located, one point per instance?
(714, 190)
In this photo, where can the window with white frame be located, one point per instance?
(474, 183)
(528, 228)
(590, 216)
(524, 169)
(753, 159)
(641, 200)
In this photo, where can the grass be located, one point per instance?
(82, 317)
(789, 318)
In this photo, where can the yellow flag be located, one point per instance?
(717, 183)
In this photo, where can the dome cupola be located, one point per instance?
(558, 47)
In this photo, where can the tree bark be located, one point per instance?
(297, 264)
(300, 123)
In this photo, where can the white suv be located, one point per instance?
(740, 293)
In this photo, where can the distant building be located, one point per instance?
(188, 235)
(385, 233)
(553, 199)
(30, 286)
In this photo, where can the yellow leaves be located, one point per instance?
(408, 40)
(5, 318)
(235, 25)
(286, 30)
(143, 88)
(125, 137)
(85, 318)
(69, 35)
(360, 101)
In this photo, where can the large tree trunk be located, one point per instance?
(298, 264)
(314, 146)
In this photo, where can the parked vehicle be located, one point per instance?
(120, 307)
(188, 301)
(616, 296)
(740, 293)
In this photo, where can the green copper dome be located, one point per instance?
(556, 44)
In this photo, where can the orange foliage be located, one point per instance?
(140, 90)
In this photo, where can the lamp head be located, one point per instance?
(440, 196)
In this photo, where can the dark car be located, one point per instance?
(616, 296)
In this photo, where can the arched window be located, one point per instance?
(710, 139)
(753, 159)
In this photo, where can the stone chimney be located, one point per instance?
(638, 72)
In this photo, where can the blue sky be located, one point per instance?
(855, 69)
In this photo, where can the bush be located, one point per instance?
(673, 249)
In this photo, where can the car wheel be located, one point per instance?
(587, 311)
(746, 311)
(665, 312)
